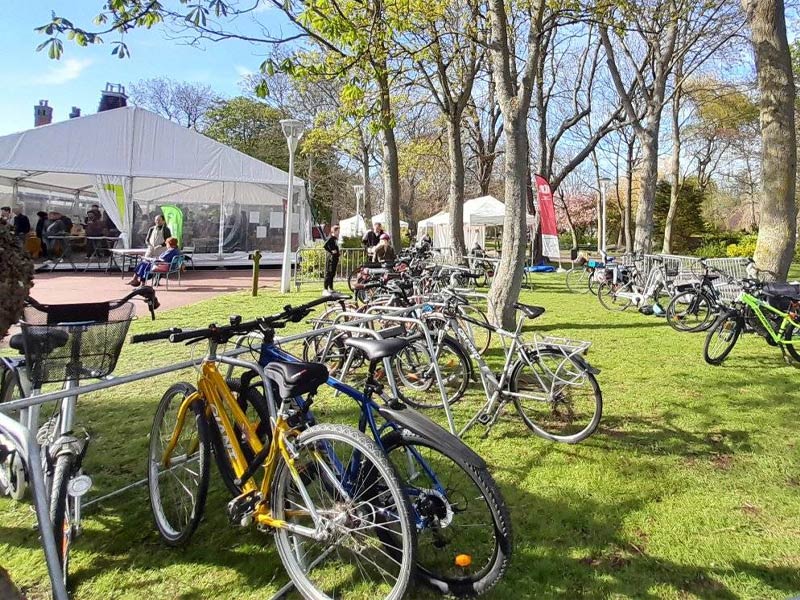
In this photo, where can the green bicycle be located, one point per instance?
(772, 310)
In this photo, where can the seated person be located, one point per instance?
(384, 251)
(95, 229)
(156, 265)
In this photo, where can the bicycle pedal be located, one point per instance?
(484, 419)
(240, 509)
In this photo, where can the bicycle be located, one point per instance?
(581, 278)
(328, 493)
(628, 286)
(774, 317)
(695, 305)
(463, 525)
(61, 343)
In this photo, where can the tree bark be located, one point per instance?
(367, 208)
(391, 165)
(777, 232)
(644, 214)
(628, 218)
(666, 247)
(456, 191)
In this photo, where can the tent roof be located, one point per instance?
(485, 210)
(381, 218)
(164, 159)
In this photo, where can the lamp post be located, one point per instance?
(293, 130)
(359, 190)
(604, 181)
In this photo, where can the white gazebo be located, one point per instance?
(356, 226)
(127, 155)
(479, 213)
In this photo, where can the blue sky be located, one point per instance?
(78, 78)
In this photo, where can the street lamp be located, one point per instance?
(293, 130)
(359, 190)
(604, 181)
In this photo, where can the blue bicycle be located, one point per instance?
(463, 523)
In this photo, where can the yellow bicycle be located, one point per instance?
(341, 521)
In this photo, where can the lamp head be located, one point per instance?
(292, 128)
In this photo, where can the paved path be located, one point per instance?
(63, 288)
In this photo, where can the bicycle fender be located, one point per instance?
(417, 423)
(585, 364)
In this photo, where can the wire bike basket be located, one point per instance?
(73, 341)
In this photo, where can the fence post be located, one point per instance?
(256, 258)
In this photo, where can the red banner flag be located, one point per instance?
(547, 218)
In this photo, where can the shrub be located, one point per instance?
(746, 246)
(16, 279)
(711, 249)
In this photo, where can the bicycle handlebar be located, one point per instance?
(147, 293)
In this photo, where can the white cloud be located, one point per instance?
(243, 71)
(63, 71)
(264, 6)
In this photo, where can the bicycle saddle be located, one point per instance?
(529, 311)
(296, 378)
(787, 290)
(44, 342)
(377, 349)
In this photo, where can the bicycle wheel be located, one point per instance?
(481, 335)
(353, 277)
(722, 338)
(794, 351)
(463, 524)
(690, 311)
(556, 396)
(607, 294)
(60, 509)
(178, 483)
(413, 367)
(329, 351)
(369, 547)
(13, 477)
(578, 280)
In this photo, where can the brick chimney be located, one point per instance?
(75, 112)
(112, 97)
(42, 114)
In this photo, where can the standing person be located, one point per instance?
(21, 224)
(384, 251)
(156, 237)
(331, 260)
(41, 227)
(5, 215)
(372, 237)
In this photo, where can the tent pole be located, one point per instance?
(221, 223)
(127, 216)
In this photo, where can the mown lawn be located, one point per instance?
(689, 489)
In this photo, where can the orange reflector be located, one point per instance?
(463, 560)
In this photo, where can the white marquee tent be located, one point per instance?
(355, 226)
(478, 214)
(129, 154)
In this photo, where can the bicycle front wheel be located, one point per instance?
(578, 281)
(607, 293)
(178, 479)
(690, 311)
(556, 396)
(13, 477)
(722, 338)
(61, 511)
(463, 524)
(414, 369)
(368, 545)
(791, 348)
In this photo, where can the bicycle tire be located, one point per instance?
(575, 376)
(375, 478)
(352, 277)
(728, 334)
(60, 515)
(13, 476)
(606, 293)
(173, 533)
(316, 349)
(696, 302)
(419, 377)
(576, 280)
(435, 565)
(793, 351)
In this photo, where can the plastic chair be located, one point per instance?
(188, 255)
(175, 267)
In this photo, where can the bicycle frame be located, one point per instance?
(218, 399)
(757, 305)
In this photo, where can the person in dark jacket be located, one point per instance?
(41, 227)
(21, 224)
(331, 259)
(372, 237)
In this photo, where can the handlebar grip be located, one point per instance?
(154, 336)
(194, 334)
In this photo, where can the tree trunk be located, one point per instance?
(777, 230)
(391, 166)
(456, 191)
(666, 247)
(365, 182)
(644, 214)
(628, 217)
(508, 278)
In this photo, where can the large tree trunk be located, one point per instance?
(508, 279)
(666, 247)
(777, 232)
(456, 191)
(628, 217)
(367, 206)
(391, 166)
(647, 200)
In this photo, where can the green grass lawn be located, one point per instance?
(689, 489)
